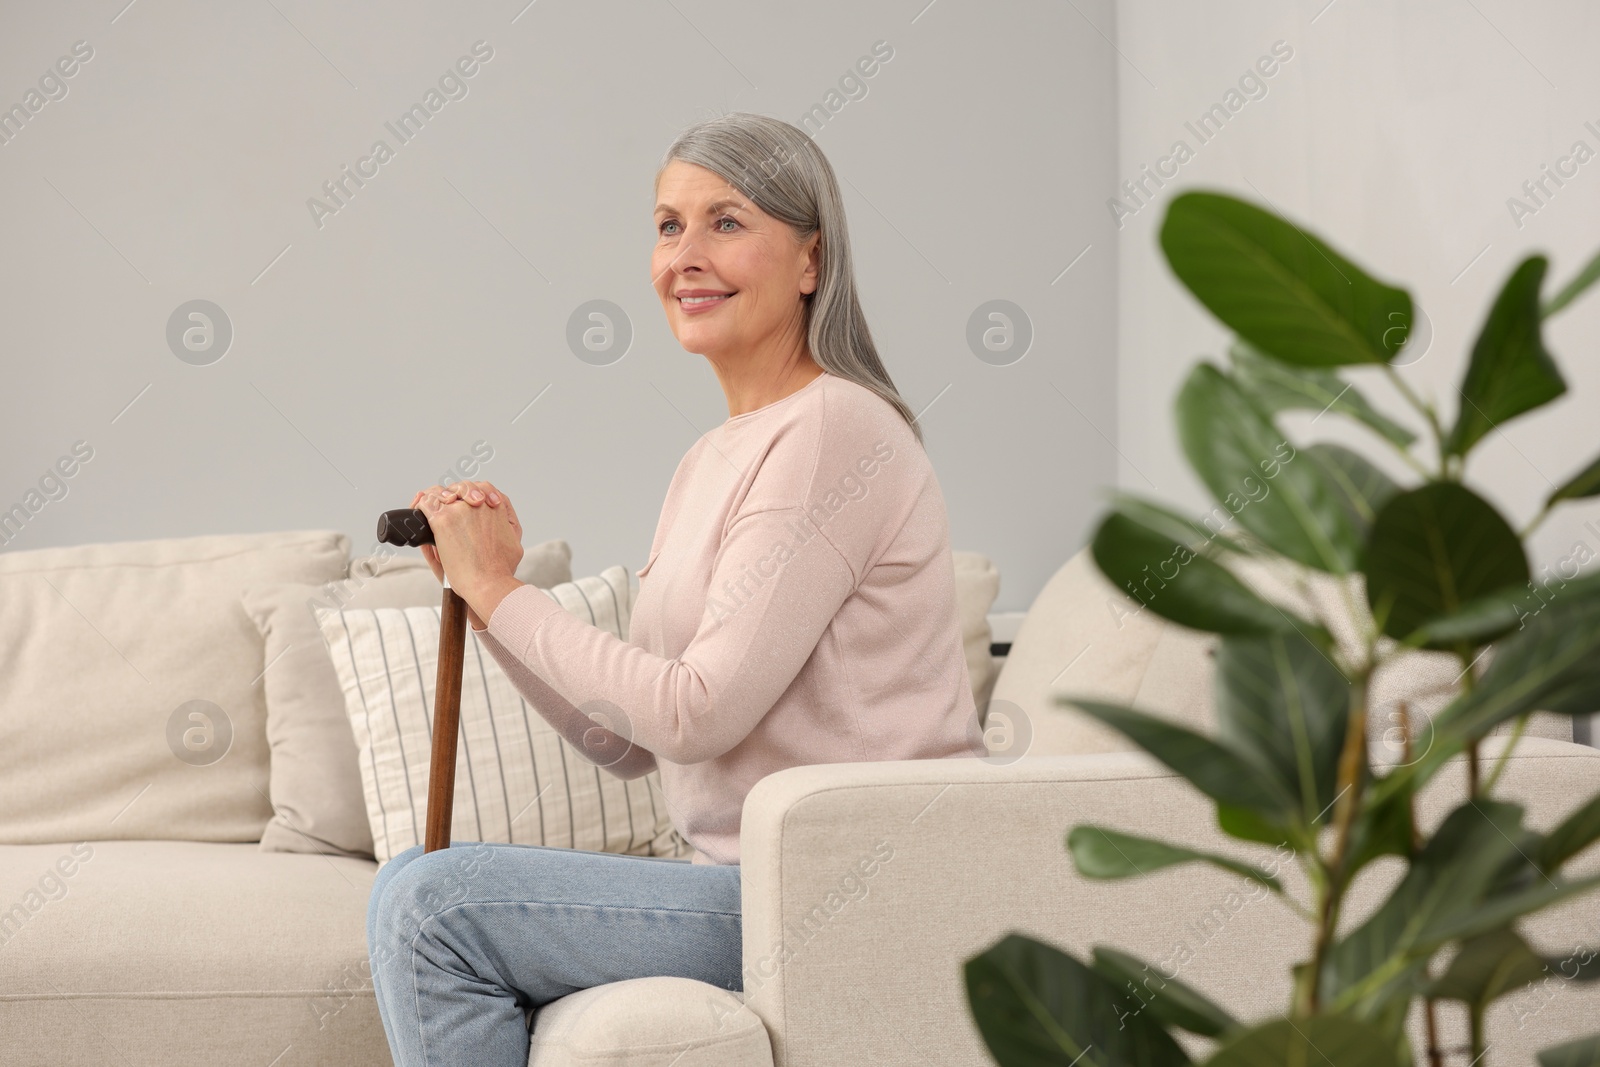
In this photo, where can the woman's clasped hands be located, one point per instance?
(477, 543)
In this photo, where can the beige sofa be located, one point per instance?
(865, 886)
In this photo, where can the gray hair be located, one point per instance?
(779, 168)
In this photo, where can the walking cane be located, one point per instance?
(409, 527)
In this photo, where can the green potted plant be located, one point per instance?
(1429, 565)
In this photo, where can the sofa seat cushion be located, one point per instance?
(649, 1022)
(184, 952)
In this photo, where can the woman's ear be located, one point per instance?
(812, 276)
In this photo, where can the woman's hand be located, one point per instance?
(478, 547)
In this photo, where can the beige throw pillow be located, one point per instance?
(517, 779)
(977, 585)
(131, 704)
(317, 800)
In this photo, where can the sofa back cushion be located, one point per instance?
(131, 704)
(977, 585)
(1084, 637)
(1080, 636)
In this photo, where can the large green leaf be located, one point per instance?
(1577, 832)
(1255, 473)
(1573, 289)
(1434, 549)
(1581, 1053)
(1584, 1052)
(1196, 535)
(1504, 909)
(1282, 289)
(1037, 1006)
(1247, 825)
(1382, 827)
(1170, 1001)
(1485, 618)
(1583, 484)
(1220, 772)
(1500, 961)
(1510, 371)
(1281, 700)
(1277, 386)
(1551, 664)
(1110, 854)
(1177, 584)
(1361, 488)
(1317, 1041)
(1488, 966)
(1477, 622)
(1446, 883)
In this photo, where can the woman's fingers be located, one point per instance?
(431, 554)
(474, 493)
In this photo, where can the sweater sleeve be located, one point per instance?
(774, 590)
(594, 742)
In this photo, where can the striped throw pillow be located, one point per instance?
(517, 779)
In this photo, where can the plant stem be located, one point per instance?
(1411, 461)
(1476, 1015)
(1352, 768)
(1467, 681)
(1306, 983)
(1411, 797)
(1505, 753)
(1435, 1053)
(1534, 523)
(1427, 413)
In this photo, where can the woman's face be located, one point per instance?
(711, 240)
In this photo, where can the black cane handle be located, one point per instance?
(407, 527)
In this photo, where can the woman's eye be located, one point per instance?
(662, 229)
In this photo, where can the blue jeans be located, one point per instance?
(467, 942)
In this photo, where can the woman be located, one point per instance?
(798, 607)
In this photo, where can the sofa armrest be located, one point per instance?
(866, 886)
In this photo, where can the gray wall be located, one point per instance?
(1400, 132)
(375, 346)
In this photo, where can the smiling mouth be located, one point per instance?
(695, 303)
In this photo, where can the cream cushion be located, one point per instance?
(1080, 636)
(517, 779)
(316, 793)
(649, 1022)
(977, 585)
(1084, 637)
(131, 703)
(175, 953)
(170, 952)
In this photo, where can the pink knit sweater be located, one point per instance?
(798, 607)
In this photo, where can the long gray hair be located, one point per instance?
(779, 168)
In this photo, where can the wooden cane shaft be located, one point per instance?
(446, 719)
